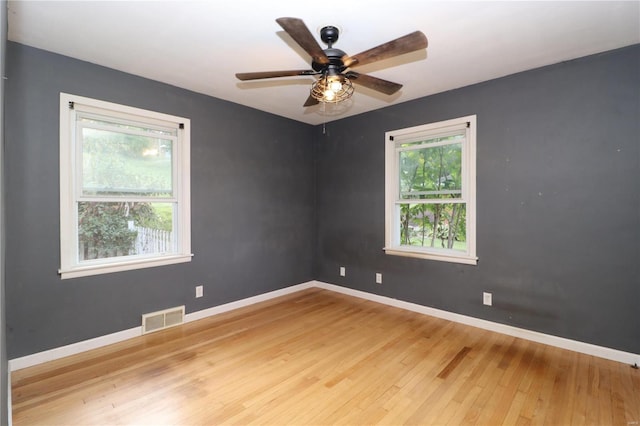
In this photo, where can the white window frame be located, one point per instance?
(393, 139)
(70, 266)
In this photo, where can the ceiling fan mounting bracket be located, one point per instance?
(329, 35)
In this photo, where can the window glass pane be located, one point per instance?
(118, 164)
(429, 173)
(116, 229)
(440, 226)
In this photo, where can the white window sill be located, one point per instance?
(444, 257)
(102, 268)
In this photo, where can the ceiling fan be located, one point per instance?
(334, 66)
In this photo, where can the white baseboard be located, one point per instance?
(72, 349)
(194, 316)
(547, 339)
(573, 345)
(98, 342)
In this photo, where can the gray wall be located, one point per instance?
(276, 203)
(253, 222)
(558, 189)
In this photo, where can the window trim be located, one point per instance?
(69, 157)
(392, 138)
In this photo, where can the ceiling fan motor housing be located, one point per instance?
(335, 61)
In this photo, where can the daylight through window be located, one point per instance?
(430, 191)
(124, 196)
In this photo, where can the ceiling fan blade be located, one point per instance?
(311, 101)
(375, 83)
(272, 74)
(409, 43)
(299, 32)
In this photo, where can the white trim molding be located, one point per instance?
(411, 142)
(547, 339)
(79, 114)
(73, 349)
(194, 316)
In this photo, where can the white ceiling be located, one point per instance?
(200, 45)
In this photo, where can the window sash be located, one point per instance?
(431, 201)
(397, 224)
(173, 246)
(463, 166)
(441, 192)
(79, 140)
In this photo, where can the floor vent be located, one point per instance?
(160, 320)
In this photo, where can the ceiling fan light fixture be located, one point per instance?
(332, 88)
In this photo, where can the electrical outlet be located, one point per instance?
(199, 291)
(378, 278)
(487, 298)
(343, 271)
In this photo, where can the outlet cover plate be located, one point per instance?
(487, 298)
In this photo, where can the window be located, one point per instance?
(430, 191)
(124, 188)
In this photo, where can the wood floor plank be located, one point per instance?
(508, 396)
(629, 387)
(318, 357)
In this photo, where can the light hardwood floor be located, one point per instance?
(318, 357)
